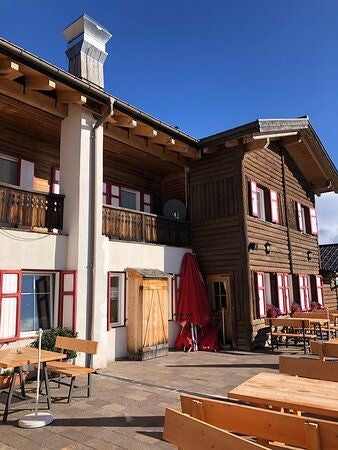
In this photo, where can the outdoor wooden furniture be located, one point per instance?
(289, 328)
(309, 367)
(71, 370)
(189, 433)
(16, 359)
(265, 425)
(325, 349)
(331, 327)
(287, 392)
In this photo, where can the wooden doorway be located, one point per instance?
(220, 300)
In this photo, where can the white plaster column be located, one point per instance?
(75, 155)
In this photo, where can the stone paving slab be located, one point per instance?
(126, 410)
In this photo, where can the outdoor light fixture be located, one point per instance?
(309, 255)
(253, 246)
(268, 247)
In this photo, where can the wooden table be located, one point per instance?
(289, 392)
(16, 358)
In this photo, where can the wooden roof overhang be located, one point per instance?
(31, 81)
(296, 135)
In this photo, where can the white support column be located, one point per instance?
(76, 183)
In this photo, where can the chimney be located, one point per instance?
(87, 49)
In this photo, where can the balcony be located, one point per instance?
(27, 209)
(137, 226)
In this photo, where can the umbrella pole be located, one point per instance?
(36, 419)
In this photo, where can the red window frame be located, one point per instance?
(253, 198)
(313, 221)
(260, 295)
(63, 293)
(283, 286)
(306, 291)
(17, 295)
(274, 206)
(320, 289)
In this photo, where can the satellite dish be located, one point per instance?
(175, 209)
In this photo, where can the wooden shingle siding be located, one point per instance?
(214, 199)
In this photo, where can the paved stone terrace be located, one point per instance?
(126, 410)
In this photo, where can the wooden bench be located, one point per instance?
(309, 367)
(325, 349)
(267, 426)
(71, 370)
(331, 328)
(292, 328)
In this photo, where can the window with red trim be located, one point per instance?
(260, 294)
(306, 219)
(304, 292)
(10, 304)
(264, 203)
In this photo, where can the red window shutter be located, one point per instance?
(281, 292)
(67, 299)
(146, 200)
(261, 298)
(300, 217)
(115, 195)
(313, 221)
(287, 298)
(274, 206)
(319, 286)
(55, 187)
(254, 200)
(10, 305)
(26, 174)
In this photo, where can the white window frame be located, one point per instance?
(261, 203)
(54, 307)
(121, 300)
(138, 198)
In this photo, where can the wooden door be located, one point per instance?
(220, 301)
(155, 312)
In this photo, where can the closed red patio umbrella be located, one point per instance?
(193, 304)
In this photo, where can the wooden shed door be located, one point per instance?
(220, 299)
(155, 312)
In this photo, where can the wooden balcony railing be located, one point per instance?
(24, 208)
(129, 225)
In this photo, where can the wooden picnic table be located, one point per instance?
(288, 392)
(16, 358)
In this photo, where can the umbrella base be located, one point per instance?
(41, 419)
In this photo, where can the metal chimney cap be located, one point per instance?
(87, 27)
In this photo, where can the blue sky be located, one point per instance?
(207, 66)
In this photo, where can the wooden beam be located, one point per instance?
(39, 83)
(71, 97)
(231, 143)
(37, 99)
(255, 144)
(163, 139)
(9, 69)
(186, 150)
(144, 130)
(123, 121)
(141, 143)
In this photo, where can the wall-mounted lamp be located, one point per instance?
(268, 247)
(309, 255)
(253, 246)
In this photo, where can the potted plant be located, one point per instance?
(272, 311)
(6, 377)
(49, 338)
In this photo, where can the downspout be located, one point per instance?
(95, 212)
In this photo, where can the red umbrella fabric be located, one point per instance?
(193, 304)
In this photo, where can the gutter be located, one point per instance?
(94, 214)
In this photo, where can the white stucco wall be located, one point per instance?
(122, 255)
(28, 250)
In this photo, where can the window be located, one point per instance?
(284, 295)
(130, 199)
(8, 170)
(37, 302)
(304, 292)
(123, 197)
(116, 299)
(260, 204)
(219, 297)
(306, 219)
(263, 203)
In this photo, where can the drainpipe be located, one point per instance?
(93, 209)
